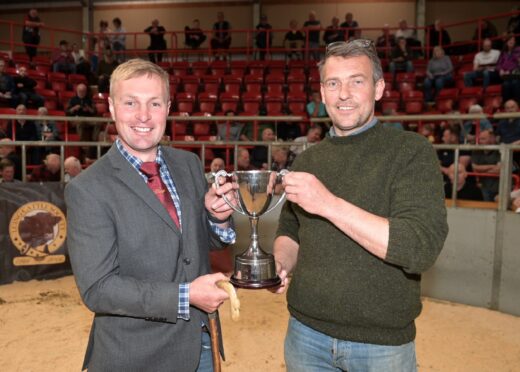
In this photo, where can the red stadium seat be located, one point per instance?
(229, 101)
(199, 68)
(390, 99)
(273, 104)
(257, 68)
(253, 83)
(251, 102)
(232, 83)
(76, 79)
(218, 68)
(469, 96)
(238, 68)
(207, 102)
(276, 66)
(185, 102)
(211, 84)
(190, 84)
(297, 104)
(295, 83)
(180, 68)
(413, 102)
(445, 100)
(492, 100)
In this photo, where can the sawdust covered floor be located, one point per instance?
(44, 327)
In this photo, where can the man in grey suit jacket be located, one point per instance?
(145, 278)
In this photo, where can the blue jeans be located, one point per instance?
(307, 350)
(438, 82)
(206, 358)
(486, 75)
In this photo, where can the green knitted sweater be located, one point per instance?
(339, 288)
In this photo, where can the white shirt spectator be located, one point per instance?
(409, 33)
(488, 59)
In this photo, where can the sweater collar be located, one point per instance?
(371, 123)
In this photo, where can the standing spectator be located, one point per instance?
(439, 35)
(385, 42)
(312, 26)
(353, 31)
(263, 37)
(6, 87)
(49, 171)
(508, 130)
(259, 153)
(105, 36)
(81, 105)
(31, 32)
(508, 67)
(484, 66)
(294, 41)
(72, 167)
(193, 35)
(513, 25)
(105, 68)
(118, 39)
(487, 30)
(487, 161)
(63, 60)
(24, 92)
(8, 152)
(157, 41)
(221, 38)
(316, 108)
(313, 137)
(438, 73)
(401, 57)
(7, 171)
(405, 31)
(333, 33)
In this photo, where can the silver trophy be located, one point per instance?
(254, 191)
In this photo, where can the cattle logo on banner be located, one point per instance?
(37, 230)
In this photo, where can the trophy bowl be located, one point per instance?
(254, 192)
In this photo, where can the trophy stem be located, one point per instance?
(254, 247)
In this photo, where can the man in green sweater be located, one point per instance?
(365, 217)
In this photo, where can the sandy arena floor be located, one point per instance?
(44, 327)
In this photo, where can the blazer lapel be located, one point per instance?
(130, 177)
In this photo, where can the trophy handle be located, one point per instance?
(282, 173)
(223, 173)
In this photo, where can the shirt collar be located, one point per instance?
(135, 161)
(371, 123)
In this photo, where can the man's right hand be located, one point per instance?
(204, 293)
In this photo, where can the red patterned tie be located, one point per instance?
(155, 183)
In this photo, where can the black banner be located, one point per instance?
(33, 231)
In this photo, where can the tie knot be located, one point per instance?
(150, 168)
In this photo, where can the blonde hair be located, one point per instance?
(136, 68)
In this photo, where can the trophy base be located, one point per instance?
(260, 284)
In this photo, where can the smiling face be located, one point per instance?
(349, 92)
(140, 106)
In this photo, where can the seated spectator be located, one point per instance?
(428, 131)
(333, 33)
(6, 87)
(487, 161)
(465, 190)
(508, 67)
(157, 41)
(63, 61)
(105, 68)
(81, 105)
(248, 132)
(401, 57)
(353, 31)
(259, 153)
(451, 136)
(7, 171)
(438, 74)
(312, 27)
(439, 35)
(316, 108)
(194, 37)
(231, 129)
(118, 39)
(263, 37)
(313, 136)
(287, 130)
(221, 37)
(47, 130)
(49, 171)
(508, 130)
(282, 158)
(24, 92)
(484, 66)
(243, 159)
(25, 130)
(293, 41)
(385, 42)
(391, 124)
(72, 167)
(469, 132)
(216, 165)
(8, 152)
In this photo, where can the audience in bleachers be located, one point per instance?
(333, 33)
(312, 137)
(486, 30)
(508, 130)
(294, 40)
(63, 60)
(31, 32)
(385, 42)
(82, 105)
(118, 39)
(49, 171)
(216, 165)
(282, 158)
(401, 57)
(259, 154)
(47, 131)
(6, 87)
(390, 111)
(513, 25)
(508, 67)
(104, 35)
(465, 189)
(439, 73)
(221, 37)
(405, 31)
(263, 37)
(484, 66)
(7, 171)
(8, 152)
(487, 161)
(438, 34)
(157, 41)
(230, 130)
(244, 160)
(316, 108)
(24, 92)
(353, 31)
(193, 36)
(71, 167)
(451, 136)
(106, 66)
(469, 131)
(312, 27)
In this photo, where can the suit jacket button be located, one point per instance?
(187, 261)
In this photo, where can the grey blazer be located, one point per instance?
(128, 258)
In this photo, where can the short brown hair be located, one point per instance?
(136, 68)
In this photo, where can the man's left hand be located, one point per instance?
(308, 192)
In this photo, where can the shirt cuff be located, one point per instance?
(227, 235)
(184, 301)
